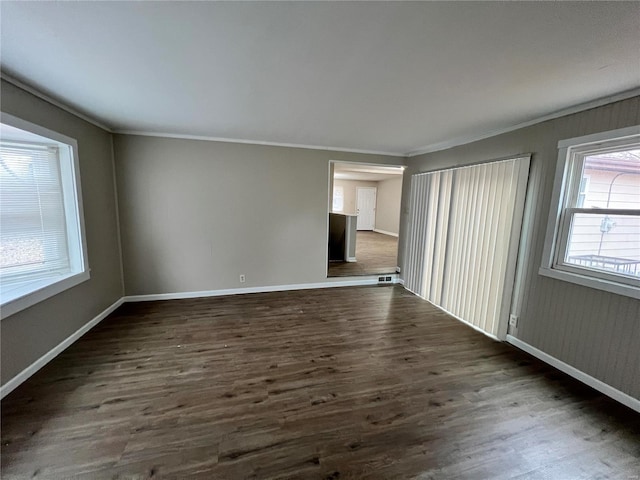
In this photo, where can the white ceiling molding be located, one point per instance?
(366, 172)
(257, 142)
(49, 99)
(368, 168)
(456, 142)
(414, 153)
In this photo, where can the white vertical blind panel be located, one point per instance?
(459, 244)
(440, 241)
(430, 231)
(410, 266)
(414, 260)
(474, 286)
(33, 237)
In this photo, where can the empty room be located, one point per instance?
(320, 240)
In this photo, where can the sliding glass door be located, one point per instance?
(462, 243)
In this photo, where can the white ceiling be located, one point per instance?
(378, 76)
(363, 172)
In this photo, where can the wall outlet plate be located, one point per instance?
(513, 320)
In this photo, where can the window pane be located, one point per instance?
(338, 199)
(611, 180)
(33, 235)
(609, 243)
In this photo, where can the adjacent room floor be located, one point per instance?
(342, 383)
(376, 253)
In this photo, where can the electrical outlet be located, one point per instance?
(381, 279)
(387, 279)
(242, 278)
(513, 320)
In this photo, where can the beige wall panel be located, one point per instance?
(388, 205)
(196, 214)
(31, 333)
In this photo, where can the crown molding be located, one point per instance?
(434, 147)
(463, 140)
(47, 98)
(256, 142)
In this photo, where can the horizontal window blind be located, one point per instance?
(33, 233)
(463, 236)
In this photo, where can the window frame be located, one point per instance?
(17, 296)
(583, 189)
(571, 153)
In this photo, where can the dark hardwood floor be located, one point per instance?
(376, 253)
(347, 383)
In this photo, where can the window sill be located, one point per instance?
(20, 296)
(591, 282)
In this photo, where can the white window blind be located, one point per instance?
(32, 214)
(463, 237)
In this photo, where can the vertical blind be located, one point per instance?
(463, 235)
(33, 234)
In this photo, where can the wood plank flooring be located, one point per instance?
(376, 253)
(341, 383)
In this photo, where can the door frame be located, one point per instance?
(375, 203)
(329, 198)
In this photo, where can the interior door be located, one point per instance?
(366, 208)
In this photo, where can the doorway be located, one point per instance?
(364, 219)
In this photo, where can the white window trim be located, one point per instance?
(574, 274)
(21, 296)
(584, 191)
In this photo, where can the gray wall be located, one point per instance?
(196, 214)
(29, 334)
(594, 331)
(350, 195)
(388, 205)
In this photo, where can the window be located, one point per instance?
(42, 246)
(593, 236)
(338, 199)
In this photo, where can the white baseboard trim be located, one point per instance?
(599, 385)
(330, 283)
(384, 232)
(12, 384)
(351, 259)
